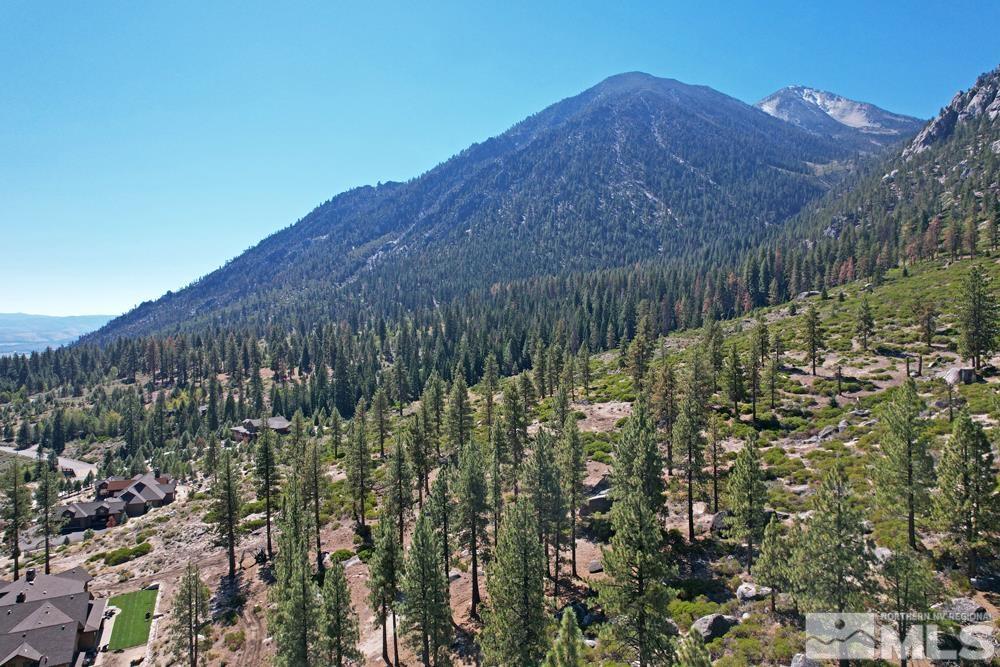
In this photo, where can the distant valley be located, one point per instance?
(22, 333)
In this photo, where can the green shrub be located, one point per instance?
(124, 554)
(234, 640)
(340, 555)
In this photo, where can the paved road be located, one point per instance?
(81, 468)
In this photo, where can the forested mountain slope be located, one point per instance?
(634, 168)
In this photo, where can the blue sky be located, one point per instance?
(143, 144)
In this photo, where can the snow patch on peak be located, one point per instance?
(827, 113)
(858, 115)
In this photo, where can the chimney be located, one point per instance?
(30, 574)
(156, 473)
(21, 597)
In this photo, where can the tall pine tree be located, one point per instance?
(515, 625)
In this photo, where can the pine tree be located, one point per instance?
(314, 481)
(634, 593)
(336, 433)
(560, 406)
(542, 486)
(568, 648)
(189, 613)
(435, 399)
(498, 461)
(664, 405)
(380, 415)
(637, 457)
(712, 343)
(425, 611)
(773, 374)
(490, 385)
(909, 586)
(515, 625)
(399, 384)
(399, 487)
(993, 230)
(747, 495)
(583, 368)
(971, 238)
(339, 635)
(417, 448)
(714, 456)
(865, 327)
(965, 505)
(832, 565)
(386, 568)
(904, 471)
(471, 490)
(640, 351)
(539, 368)
(813, 336)
(760, 341)
(297, 439)
(733, 380)
(572, 464)
(268, 478)
(296, 614)
(459, 414)
(772, 568)
(47, 501)
(753, 379)
(925, 316)
(688, 439)
(978, 317)
(358, 462)
(691, 651)
(515, 426)
(439, 511)
(226, 507)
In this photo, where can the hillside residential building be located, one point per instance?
(51, 620)
(248, 428)
(116, 499)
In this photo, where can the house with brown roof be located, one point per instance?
(154, 486)
(116, 499)
(49, 620)
(248, 428)
(139, 493)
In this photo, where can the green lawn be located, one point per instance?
(131, 626)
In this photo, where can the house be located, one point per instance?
(140, 493)
(51, 620)
(116, 499)
(95, 514)
(248, 428)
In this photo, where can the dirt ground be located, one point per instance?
(601, 417)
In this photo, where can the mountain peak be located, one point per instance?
(829, 114)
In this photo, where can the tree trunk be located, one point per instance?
(715, 481)
(690, 502)
(47, 533)
(395, 641)
(267, 514)
(572, 543)
(475, 574)
(385, 640)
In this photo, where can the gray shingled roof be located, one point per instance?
(43, 625)
(89, 508)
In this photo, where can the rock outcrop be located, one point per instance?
(982, 99)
